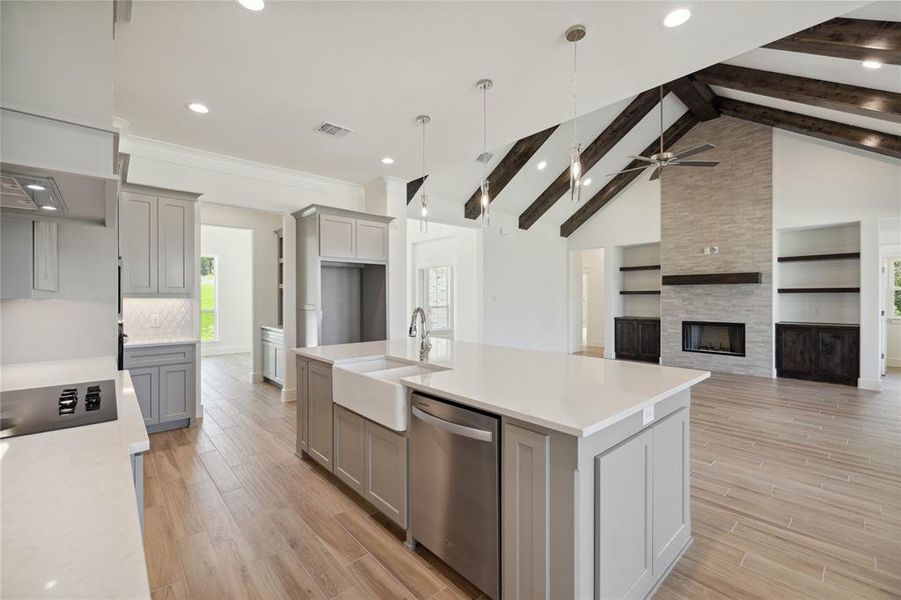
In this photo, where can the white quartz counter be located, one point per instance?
(576, 395)
(68, 515)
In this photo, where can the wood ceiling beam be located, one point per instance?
(507, 168)
(697, 96)
(855, 39)
(619, 181)
(815, 92)
(848, 135)
(595, 151)
(413, 187)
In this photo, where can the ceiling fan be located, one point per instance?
(669, 159)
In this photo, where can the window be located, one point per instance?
(436, 297)
(209, 298)
(895, 265)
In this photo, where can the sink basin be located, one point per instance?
(372, 388)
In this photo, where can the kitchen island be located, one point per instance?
(594, 476)
(70, 511)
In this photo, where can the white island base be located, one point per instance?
(595, 471)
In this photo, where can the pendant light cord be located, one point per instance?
(661, 119)
(575, 77)
(423, 155)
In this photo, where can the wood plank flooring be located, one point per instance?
(796, 493)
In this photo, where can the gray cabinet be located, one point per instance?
(29, 257)
(272, 341)
(526, 485)
(385, 471)
(672, 495)
(157, 241)
(319, 413)
(349, 448)
(164, 383)
(372, 240)
(302, 445)
(337, 236)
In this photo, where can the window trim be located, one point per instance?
(423, 296)
(894, 263)
(215, 310)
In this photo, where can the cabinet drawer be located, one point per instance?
(158, 355)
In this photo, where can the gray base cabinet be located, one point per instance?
(319, 414)
(349, 454)
(272, 343)
(385, 471)
(303, 366)
(164, 383)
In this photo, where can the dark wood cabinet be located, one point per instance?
(818, 352)
(637, 338)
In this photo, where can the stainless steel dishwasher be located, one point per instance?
(454, 491)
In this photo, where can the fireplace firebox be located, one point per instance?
(713, 338)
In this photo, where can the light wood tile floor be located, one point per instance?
(796, 493)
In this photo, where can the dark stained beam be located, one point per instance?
(849, 135)
(413, 187)
(507, 169)
(697, 96)
(855, 39)
(619, 181)
(816, 92)
(595, 151)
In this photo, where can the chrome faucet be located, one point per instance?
(426, 344)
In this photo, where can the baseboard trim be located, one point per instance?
(874, 385)
(289, 395)
(893, 362)
(256, 377)
(610, 354)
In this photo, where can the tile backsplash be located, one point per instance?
(152, 319)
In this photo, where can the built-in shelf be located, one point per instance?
(812, 324)
(640, 292)
(812, 257)
(713, 278)
(641, 268)
(820, 290)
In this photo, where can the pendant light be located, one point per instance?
(573, 35)
(485, 200)
(423, 197)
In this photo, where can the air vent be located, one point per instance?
(484, 157)
(13, 196)
(333, 130)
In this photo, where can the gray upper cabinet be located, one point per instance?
(30, 258)
(319, 413)
(157, 241)
(372, 240)
(337, 237)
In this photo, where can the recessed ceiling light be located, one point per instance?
(48, 207)
(35, 187)
(677, 17)
(197, 107)
(541, 165)
(872, 64)
(586, 181)
(254, 5)
(387, 160)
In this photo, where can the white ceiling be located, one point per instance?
(270, 78)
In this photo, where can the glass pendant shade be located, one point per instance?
(575, 173)
(485, 198)
(485, 204)
(423, 197)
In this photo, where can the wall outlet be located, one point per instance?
(711, 249)
(155, 320)
(647, 415)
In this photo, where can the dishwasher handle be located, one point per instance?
(455, 428)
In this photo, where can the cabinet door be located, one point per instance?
(838, 356)
(626, 338)
(349, 448)
(302, 405)
(278, 368)
(671, 501)
(526, 488)
(385, 474)
(624, 567)
(16, 239)
(337, 237)
(176, 392)
(176, 247)
(146, 382)
(372, 240)
(46, 256)
(138, 229)
(320, 411)
(649, 340)
(268, 359)
(796, 352)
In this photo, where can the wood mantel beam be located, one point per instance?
(840, 133)
(595, 151)
(507, 168)
(697, 96)
(855, 39)
(619, 181)
(413, 187)
(816, 92)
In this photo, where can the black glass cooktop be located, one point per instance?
(37, 410)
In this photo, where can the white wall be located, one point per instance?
(233, 247)
(265, 263)
(459, 248)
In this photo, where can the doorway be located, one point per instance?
(226, 290)
(591, 316)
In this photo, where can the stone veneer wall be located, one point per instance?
(730, 206)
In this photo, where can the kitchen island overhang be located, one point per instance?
(595, 459)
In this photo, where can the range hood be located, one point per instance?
(54, 169)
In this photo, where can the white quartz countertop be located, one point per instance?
(576, 395)
(68, 514)
(139, 343)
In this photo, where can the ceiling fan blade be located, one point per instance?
(641, 158)
(695, 150)
(695, 163)
(656, 174)
(626, 171)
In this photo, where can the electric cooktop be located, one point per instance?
(37, 410)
